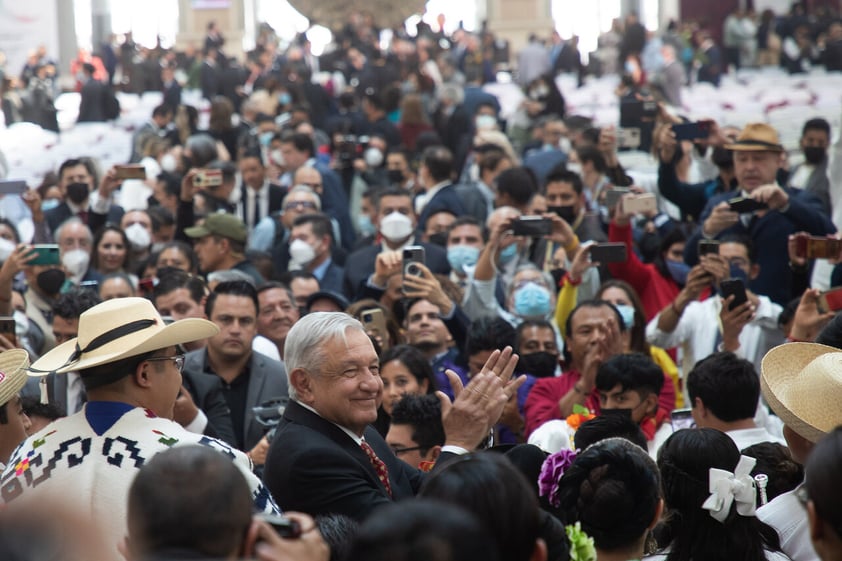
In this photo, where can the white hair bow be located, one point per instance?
(727, 488)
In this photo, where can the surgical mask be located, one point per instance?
(168, 163)
(814, 154)
(76, 262)
(507, 254)
(284, 98)
(49, 204)
(139, 237)
(532, 300)
(737, 273)
(566, 212)
(627, 313)
(678, 271)
(157, 247)
(266, 138)
(6, 249)
(395, 176)
(301, 252)
(539, 92)
(50, 281)
(365, 226)
(565, 145)
(461, 256)
(485, 122)
(78, 192)
(575, 167)
(277, 158)
(373, 157)
(396, 227)
(541, 364)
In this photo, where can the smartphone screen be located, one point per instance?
(682, 419)
(734, 287)
(608, 253)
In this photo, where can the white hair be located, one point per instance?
(306, 341)
(303, 189)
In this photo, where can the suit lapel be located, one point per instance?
(257, 379)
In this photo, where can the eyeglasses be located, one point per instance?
(398, 451)
(177, 359)
(300, 204)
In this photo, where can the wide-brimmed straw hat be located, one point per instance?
(117, 329)
(757, 137)
(802, 383)
(13, 365)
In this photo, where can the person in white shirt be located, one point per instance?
(724, 392)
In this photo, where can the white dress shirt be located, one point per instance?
(787, 516)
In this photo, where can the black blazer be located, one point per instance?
(315, 467)
(206, 391)
(92, 102)
(56, 216)
(276, 198)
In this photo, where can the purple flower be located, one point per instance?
(551, 471)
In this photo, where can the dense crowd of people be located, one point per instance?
(367, 317)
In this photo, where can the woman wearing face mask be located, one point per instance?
(111, 250)
(413, 120)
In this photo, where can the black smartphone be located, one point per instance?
(12, 187)
(612, 252)
(707, 247)
(46, 254)
(744, 205)
(7, 329)
(682, 419)
(411, 255)
(532, 226)
(735, 287)
(692, 131)
(285, 527)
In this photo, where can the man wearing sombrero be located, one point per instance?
(128, 360)
(802, 383)
(758, 154)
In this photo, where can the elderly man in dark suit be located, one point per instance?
(325, 457)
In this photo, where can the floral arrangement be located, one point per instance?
(551, 471)
(579, 416)
(581, 544)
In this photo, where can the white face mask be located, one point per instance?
(21, 324)
(301, 253)
(396, 227)
(6, 249)
(138, 236)
(277, 158)
(76, 262)
(168, 163)
(373, 157)
(485, 122)
(575, 167)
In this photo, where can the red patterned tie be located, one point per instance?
(379, 466)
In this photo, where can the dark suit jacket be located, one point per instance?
(332, 279)
(335, 203)
(276, 197)
(92, 102)
(315, 467)
(56, 216)
(445, 199)
(210, 80)
(172, 94)
(268, 380)
(360, 265)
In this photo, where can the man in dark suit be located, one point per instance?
(248, 378)
(436, 175)
(92, 97)
(311, 240)
(396, 227)
(258, 196)
(210, 74)
(171, 87)
(162, 115)
(325, 457)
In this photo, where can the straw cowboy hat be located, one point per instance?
(802, 383)
(118, 329)
(13, 365)
(757, 137)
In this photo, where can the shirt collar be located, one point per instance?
(356, 438)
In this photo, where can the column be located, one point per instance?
(67, 43)
(100, 22)
(515, 20)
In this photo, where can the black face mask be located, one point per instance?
(78, 192)
(439, 238)
(722, 157)
(541, 364)
(567, 213)
(606, 412)
(50, 281)
(814, 154)
(395, 176)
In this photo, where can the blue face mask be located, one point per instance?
(47, 204)
(678, 271)
(737, 273)
(532, 300)
(284, 98)
(461, 256)
(266, 138)
(627, 312)
(508, 253)
(364, 225)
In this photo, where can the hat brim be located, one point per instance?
(145, 341)
(780, 370)
(13, 365)
(749, 146)
(197, 232)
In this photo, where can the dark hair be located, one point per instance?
(518, 183)
(112, 372)
(185, 249)
(490, 159)
(189, 497)
(674, 236)
(593, 155)
(231, 288)
(339, 532)
(822, 483)
(289, 276)
(423, 413)
(439, 162)
(98, 238)
(638, 341)
(33, 407)
(632, 371)
(489, 333)
(744, 241)
(9, 224)
(609, 426)
(170, 279)
(415, 362)
(510, 513)
(526, 324)
(301, 142)
(727, 385)
(613, 490)
(172, 183)
(160, 217)
(775, 461)
(162, 110)
(563, 175)
(467, 220)
(72, 303)
(816, 124)
(389, 192)
(425, 529)
(252, 153)
(568, 323)
(320, 223)
(690, 532)
(73, 162)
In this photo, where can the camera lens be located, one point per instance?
(412, 269)
(367, 318)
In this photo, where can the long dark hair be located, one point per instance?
(415, 362)
(676, 235)
(689, 531)
(98, 238)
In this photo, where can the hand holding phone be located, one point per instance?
(640, 204)
(612, 252)
(682, 419)
(692, 131)
(411, 255)
(532, 226)
(745, 205)
(830, 301)
(735, 288)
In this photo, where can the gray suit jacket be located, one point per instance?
(268, 380)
